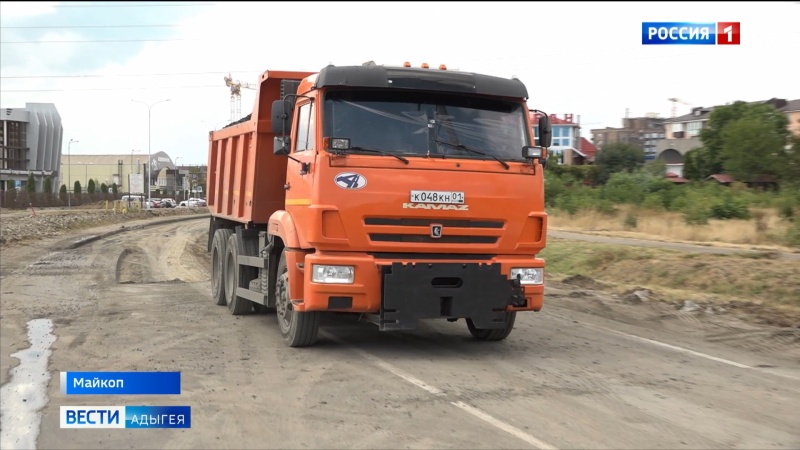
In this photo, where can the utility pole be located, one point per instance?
(149, 151)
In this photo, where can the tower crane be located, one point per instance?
(675, 102)
(236, 96)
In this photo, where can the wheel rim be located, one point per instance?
(283, 306)
(229, 287)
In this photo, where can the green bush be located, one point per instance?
(657, 201)
(631, 221)
(581, 198)
(793, 235)
(729, 208)
(554, 187)
(605, 206)
(696, 214)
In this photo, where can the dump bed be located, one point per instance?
(245, 181)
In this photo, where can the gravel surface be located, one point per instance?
(19, 226)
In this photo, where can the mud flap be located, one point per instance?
(445, 290)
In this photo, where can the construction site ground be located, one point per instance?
(598, 367)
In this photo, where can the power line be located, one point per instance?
(96, 41)
(130, 5)
(113, 89)
(131, 75)
(87, 26)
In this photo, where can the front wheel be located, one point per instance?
(298, 329)
(493, 334)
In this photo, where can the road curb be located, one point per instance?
(96, 237)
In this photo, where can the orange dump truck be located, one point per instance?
(395, 193)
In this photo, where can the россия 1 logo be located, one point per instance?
(690, 33)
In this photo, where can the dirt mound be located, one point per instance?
(583, 282)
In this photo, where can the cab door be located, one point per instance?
(301, 167)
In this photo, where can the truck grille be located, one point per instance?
(450, 223)
(421, 238)
(456, 231)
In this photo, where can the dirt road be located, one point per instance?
(589, 371)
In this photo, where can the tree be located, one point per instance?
(103, 189)
(697, 164)
(91, 187)
(48, 185)
(713, 134)
(618, 157)
(30, 186)
(77, 188)
(62, 193)
(791, 167)
(752, 146)
(114, 189)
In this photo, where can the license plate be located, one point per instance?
(446, 197)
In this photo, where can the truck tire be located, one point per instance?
(218, 244)
(233, 279)
(298, 329)
(493, 334)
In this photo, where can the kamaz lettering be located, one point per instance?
(435, 206)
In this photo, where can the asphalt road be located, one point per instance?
(587, 372)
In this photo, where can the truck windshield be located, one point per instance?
(427, 124)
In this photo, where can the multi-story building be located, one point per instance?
(111, 169)
(568, 147)
(192, 181)
(30, 144)
(683, 133)
(643, 132)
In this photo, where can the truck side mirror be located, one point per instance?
(281, 117)
(545, 132)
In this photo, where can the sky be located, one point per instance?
(93, 59)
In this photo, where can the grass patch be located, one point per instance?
(755, 278)
(766, 227)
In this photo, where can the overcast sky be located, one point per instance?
(580, 58)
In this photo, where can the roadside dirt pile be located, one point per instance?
(18, 226)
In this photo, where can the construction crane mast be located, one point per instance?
(236, 96)
(675, 102)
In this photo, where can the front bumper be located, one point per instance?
(409, 289)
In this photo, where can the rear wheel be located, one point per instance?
(218, 244)
(493, 334)
(298, 329)
(236, 305)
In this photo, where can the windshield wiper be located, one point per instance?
(379, 152)
(478, 152)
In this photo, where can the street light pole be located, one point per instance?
(69, 172)
(177, 173)
(149, 152)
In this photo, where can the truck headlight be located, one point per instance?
(332, 274)
(527, 275)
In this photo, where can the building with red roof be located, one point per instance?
(568, 147)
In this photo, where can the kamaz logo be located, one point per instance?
(435, 206)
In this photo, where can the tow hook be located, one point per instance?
(518, 296)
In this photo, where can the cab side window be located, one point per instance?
(305, 128)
